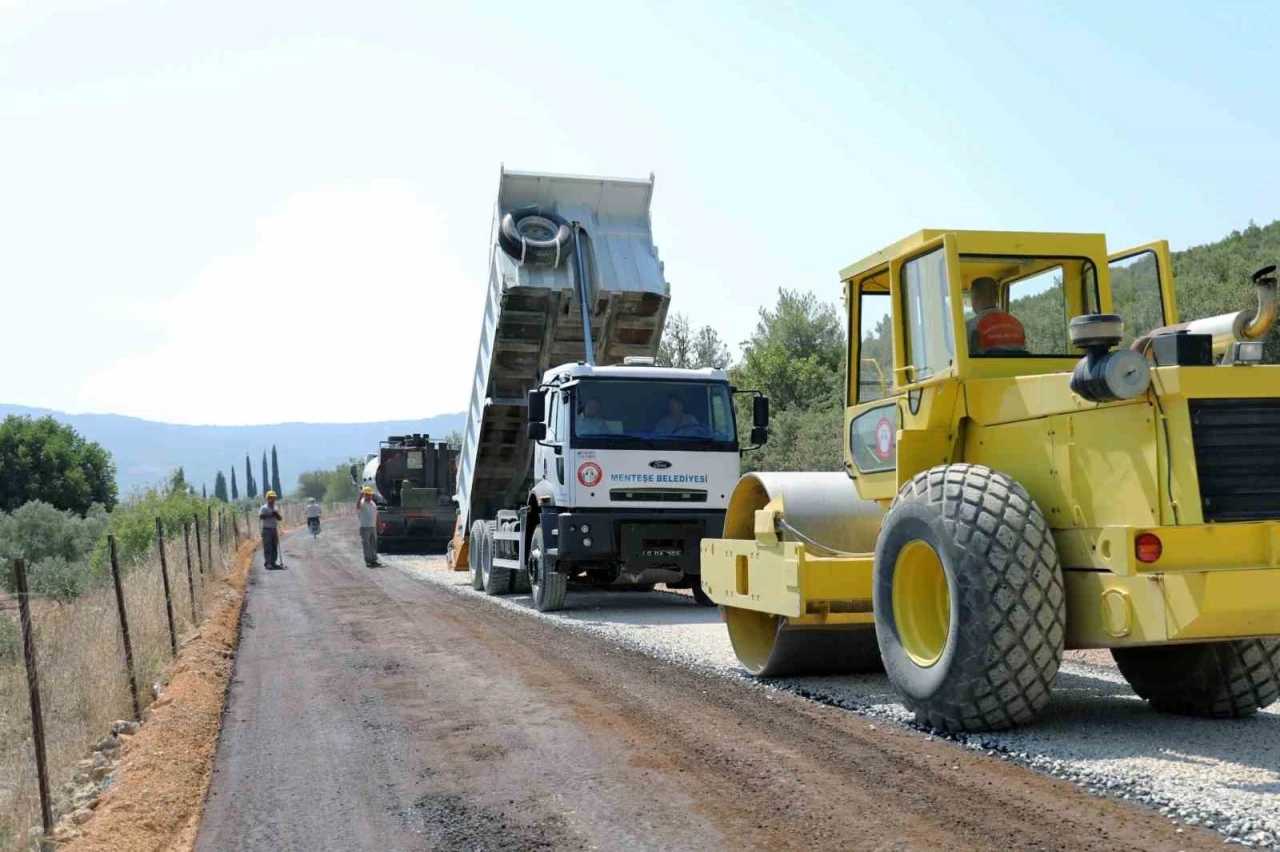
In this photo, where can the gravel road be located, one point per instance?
(388, 709)
(1221, 775)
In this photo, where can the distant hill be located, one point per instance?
(146, 451)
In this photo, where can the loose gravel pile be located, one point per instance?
(1220, 774)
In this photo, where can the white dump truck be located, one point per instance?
(581, 459)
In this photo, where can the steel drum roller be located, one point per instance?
(824, 508)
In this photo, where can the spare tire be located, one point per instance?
(535, 237)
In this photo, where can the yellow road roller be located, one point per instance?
(1038, 456)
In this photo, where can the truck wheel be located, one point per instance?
(476, 555)
(548, 586)
(969, 603)
(1212, 679)
(497, 581)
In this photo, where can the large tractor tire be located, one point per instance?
(497, 580)
(969, 600)
(476, 555)
(548, 585)
(1213, 679)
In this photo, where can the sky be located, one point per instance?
(242, 213)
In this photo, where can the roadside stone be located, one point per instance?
(125, 728)
(82, 816)
(100, 772)
(107, 743)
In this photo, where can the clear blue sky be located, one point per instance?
(199, 203)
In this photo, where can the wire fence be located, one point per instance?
(69, 670)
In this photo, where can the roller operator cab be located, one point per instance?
(1039, 455)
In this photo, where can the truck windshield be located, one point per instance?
(630, 412)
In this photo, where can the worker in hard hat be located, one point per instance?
(367, 510)
(269, 516)
(313, 516)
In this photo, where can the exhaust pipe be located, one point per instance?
(1235, 327)
(1240, 326)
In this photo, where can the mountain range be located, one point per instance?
(146, 452)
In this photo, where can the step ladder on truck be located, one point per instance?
(580, 458)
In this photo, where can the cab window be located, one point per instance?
(875, 348)
(930, 344)
(1018, 306)
(1135, 294)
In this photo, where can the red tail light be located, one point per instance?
(382, 527)
(1147, 548)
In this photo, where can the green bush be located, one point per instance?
(38, 533)
(59, 578)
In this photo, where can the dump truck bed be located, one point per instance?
(533, 320)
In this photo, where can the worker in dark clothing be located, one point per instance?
(269, 516)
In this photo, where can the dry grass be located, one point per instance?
(83, 683)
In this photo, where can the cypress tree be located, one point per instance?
(266, 477)
(275, 471)
(250, 489)
(220, 487)
(204, 491)
(235, 490)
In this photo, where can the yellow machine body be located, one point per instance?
(1103, 474)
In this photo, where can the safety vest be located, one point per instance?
(995, 330)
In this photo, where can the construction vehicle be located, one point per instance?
(412, 478)
(1089, 486)
(580, 458)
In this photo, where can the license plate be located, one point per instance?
(662, 552)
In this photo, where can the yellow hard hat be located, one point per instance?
(366, 490)
(271, 494)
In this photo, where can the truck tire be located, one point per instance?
(535, 237)
(476, 555)
(1219, 680)
(969, 602)
(549, 586)
(497, 581)
(520, 583)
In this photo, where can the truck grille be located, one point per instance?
(657, 495)
(1237, 445)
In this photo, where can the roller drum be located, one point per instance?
(825, 508)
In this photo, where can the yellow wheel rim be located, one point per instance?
(921, 603)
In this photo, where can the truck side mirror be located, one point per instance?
(759, 436)
(759, 416)
(537, 407)
(537, 430)
(355, 474)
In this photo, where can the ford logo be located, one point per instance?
(660, 464)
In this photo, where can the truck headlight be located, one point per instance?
(586, 542)
(585, 528)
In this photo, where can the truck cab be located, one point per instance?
(633, 467)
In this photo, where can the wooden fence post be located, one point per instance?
(33, 690)
(168, 596)
(199, 549)
(191, 583)
(124, 628)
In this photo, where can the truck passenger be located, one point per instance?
(676, 418)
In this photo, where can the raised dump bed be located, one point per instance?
(533, 316)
